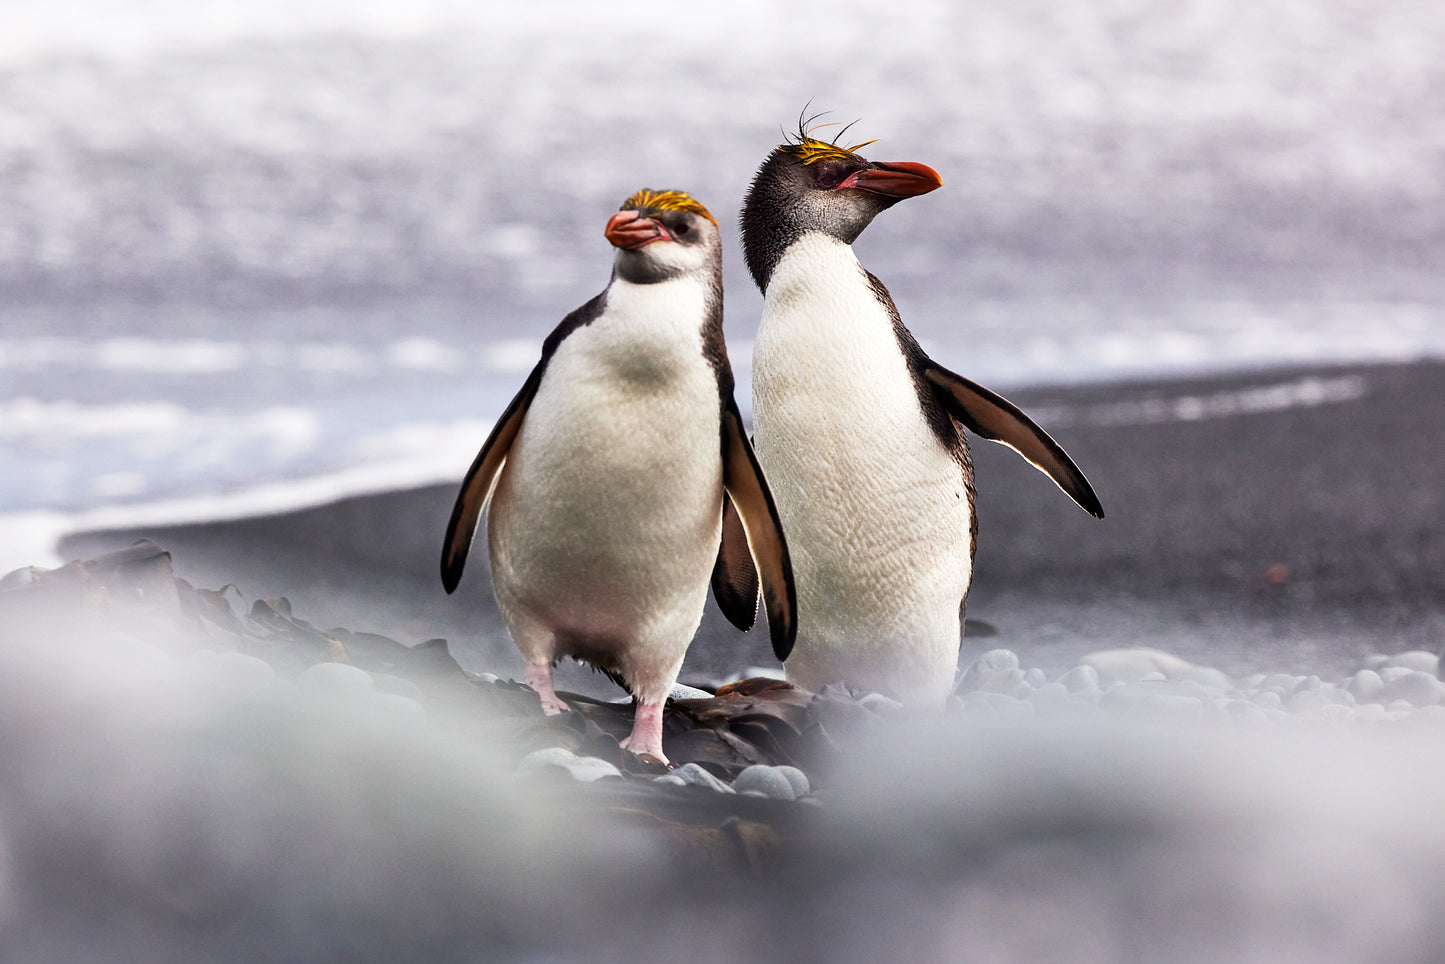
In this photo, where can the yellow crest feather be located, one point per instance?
(811, 150)
(647, 198)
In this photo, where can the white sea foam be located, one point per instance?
(399, 457)
(198, 358)
(1305, 392)
(155, 426)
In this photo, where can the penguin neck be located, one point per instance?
(815, 266)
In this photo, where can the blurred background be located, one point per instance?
(259, 257)
(269, 270)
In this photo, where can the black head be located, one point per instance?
(811, 185)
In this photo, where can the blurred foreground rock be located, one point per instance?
(132, 597)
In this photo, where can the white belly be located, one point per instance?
(606, 518)
(873, 505)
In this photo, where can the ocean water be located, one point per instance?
(260, 256)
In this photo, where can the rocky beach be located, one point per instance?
(268, 272)
(1210, 727)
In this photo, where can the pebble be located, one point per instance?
(1370, 713)
(1414, 687)
(1307, 699)
(1366, 686)
(583, 769)
(586, 769)
(766, 781)
(1080, 679)
(1051, 694)
(335, 679)
(1416, 659)
(690, 774)
(879, 703)
(681, 691)
(797, 778)
(1208, 677)
(1132, 665)
(996, 671)
(547, 757)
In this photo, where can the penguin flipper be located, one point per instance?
(734, 577)
(758, 513)
(479, 480)
(994, 417)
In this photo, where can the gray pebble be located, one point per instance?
(765, 781)
(1283, 682)
(1415, 688)
(337, 679)
(690, 774)
(1303, 700)
(1391, 673)
(996, 671)
(797, 778)
(552, 756)
(1366, 686)
(1209, 678)
(1080, 678)
(879, 703)
(585, 769)
(1051, 693)
(1370, 713)
(1418, 660)
(681, 691)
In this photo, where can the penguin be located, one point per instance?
(860, 431)
(607, 473)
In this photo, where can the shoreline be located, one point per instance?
(1243, 534)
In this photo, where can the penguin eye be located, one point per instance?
(828, 178)
(680, 229)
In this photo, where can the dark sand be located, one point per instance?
(1294, 540)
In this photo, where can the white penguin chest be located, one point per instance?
(611, 491)
(834, 401)
(873, 502)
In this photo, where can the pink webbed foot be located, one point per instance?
(539, 677)
(646, 738)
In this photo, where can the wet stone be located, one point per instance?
(1414, 687)
(1417, 660)
(765, 780)
(690, 774)
(1080, 678)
